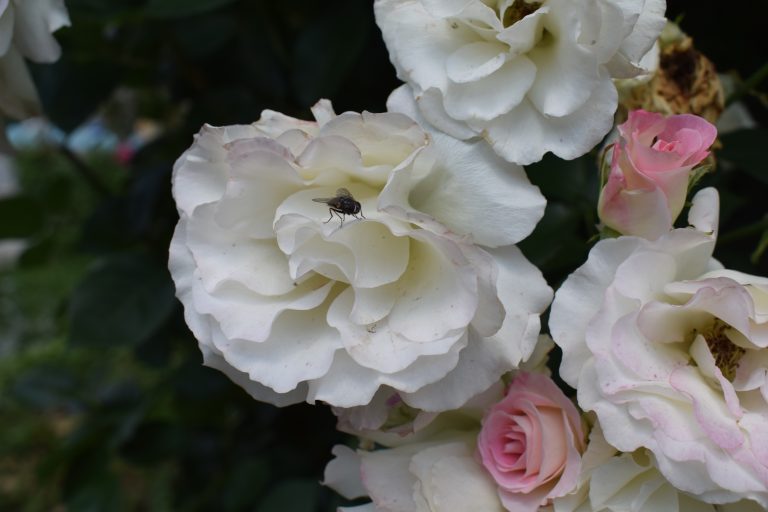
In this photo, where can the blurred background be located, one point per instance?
(104, 403)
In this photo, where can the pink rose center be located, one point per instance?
(526, 447)
(667, 147)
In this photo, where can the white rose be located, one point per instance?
(425, 295)
(25, 32)
(423, 477)
(529, 77)
(670, 353)
(629, 482)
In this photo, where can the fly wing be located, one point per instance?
(342, 192)
(325, 200)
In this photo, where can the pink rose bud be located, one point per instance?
(650, 168)
(531, 443)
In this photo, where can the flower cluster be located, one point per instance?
(368, 261)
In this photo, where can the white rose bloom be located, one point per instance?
(527, 76)
(629, 482)
(422, 477)
(25, 32)
(422, 293)
(669, 351)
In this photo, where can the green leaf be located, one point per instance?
(760, 249)
(181, 8)
(122, 301)
(746, 149)
(20, 217)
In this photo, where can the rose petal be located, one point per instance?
(343, 473)
(523, 135)
(35, 21)
(497, 94)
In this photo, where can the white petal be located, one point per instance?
(567, 74)
(274, 124)
(475, 61)
(200, 173)
(18, 95)
(480, 365)
(493, 95)
(419, 44)
(523, 35)
(256, 390)
(704, 212)
(372, 304)
(323, 112)
(490, 312)
(474, 192)
(342, 473)
(525, 296)
(580, 298)
(182, 267)
(300, 347)
(364, 253)
(524, 134)
(453, 481)
(347, 384)
(431, 107)
(222, 255)
(260, 178)
(438, 292)
(379, 346)
(646, 30)
(386, 476)
(35, 21)
(446, 8)
(383, 139)
(605, 26)
(244, 314)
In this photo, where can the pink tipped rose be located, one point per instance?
(531, 443)
(650, 168)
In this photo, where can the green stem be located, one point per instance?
(85, 172)
(751, 83)
(746, 231)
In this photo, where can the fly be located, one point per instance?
(341, 204)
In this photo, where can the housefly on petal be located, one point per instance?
(341, 204)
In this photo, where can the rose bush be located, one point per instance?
(528, 77)
(25, 32)
(425, 296)
(669, 350)
(651, 164)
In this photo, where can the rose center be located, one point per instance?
(726, 353)
(518, 10)
(663, 145)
